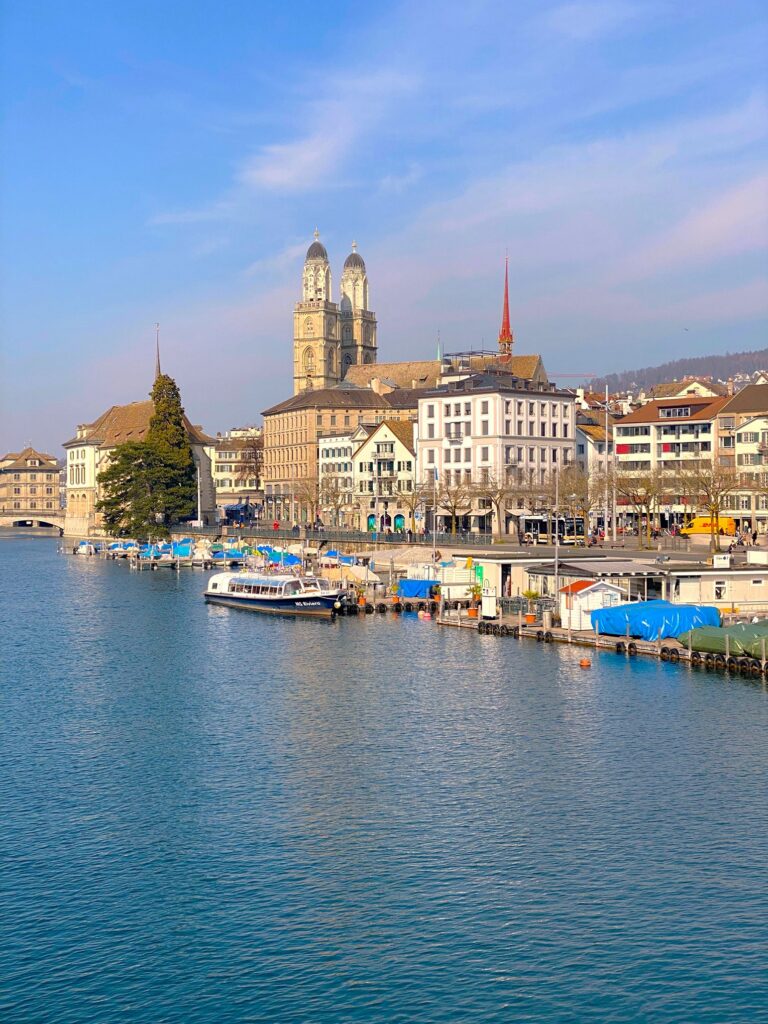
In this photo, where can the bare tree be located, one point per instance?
(334, 494)
(456, 500)
(644, 491)
(497, 490)
(708, 485)
(307, 494)
(580, 493)
(412, 500)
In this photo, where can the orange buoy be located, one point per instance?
(426, 615)
(585, 663)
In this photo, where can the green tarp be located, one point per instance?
(744, 639)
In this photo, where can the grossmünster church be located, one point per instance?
(328, 336)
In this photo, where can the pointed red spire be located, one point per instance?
(505, 334)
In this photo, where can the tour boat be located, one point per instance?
(275, 594)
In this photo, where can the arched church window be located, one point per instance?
(368, 358)
(347, 332)
(309, 326)
(331, 362)
(347, 359)
(309, 360)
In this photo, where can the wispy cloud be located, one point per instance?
(590, 19)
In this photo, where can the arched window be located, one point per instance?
(309, 360)
(331, 362)
(347, 332)
(309, 327)
(368, 358)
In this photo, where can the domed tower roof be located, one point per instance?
(317, 250)
(354, 260)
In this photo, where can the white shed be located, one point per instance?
(580, 597)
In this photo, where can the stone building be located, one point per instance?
(330, 337)
(29, 486)
(88, 454)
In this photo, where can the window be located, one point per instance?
(519, 426)
(675, 412)
(333, 419)
(346, 421)
(519, 454)
(430, 411)
(531, 410)
(543, 429)
(554, 430)
(431, 457)
(467, 409)
(554, 454)
(565, 430)
(484, 428)
(580, 449)
(483, 454)
(484, 408)
(531, 430)
(555, 409)
(467, 454)
(457, 409)
(720, 588)
(447, 409)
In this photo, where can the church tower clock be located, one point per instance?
(358, 323)
(316, 332)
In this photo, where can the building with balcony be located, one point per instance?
(236, 466)
(384, 478)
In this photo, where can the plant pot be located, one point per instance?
(471, 613)
(530, 618)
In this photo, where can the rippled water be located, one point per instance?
(210, 816)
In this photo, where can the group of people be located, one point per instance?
(745, 539)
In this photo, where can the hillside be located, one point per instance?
(719, 367)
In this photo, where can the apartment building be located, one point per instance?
(384, 478)
(668, 435)
(29, 485)
(236, 465)
(594, 445)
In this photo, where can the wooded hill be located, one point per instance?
(718, 367)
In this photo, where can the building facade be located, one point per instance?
(88, 454)
(384, 478)
(29, 485)
(236, 467)
(330, 337)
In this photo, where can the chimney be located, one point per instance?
(729, 386)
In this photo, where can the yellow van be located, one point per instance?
(703, 524)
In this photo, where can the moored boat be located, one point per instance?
(273, 594)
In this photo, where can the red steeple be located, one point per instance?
(505, 334)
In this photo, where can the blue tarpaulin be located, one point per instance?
(415, 588)
(653, 620)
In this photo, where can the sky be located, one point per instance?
(168, 162)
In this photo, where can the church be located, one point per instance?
(328, 336)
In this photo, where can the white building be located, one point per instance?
(335, 470)
(495, 426)
(594, 447)
(236, 465)
(384, 477)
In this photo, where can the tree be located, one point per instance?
(644, 491)
(307, 493)
(456, 500)
(579, 493)
(249, 466)
(334, 494)
(708, 485)
(412, 500)
(151, 484)
(496, 490)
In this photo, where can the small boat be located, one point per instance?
(274, 594)
(86, 547)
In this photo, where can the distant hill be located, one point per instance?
(717, 367)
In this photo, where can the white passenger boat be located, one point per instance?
(274, 594)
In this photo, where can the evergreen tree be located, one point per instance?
(151, 484)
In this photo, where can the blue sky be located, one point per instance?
(169, 161)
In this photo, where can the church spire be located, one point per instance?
(158, 371)
(505, 334)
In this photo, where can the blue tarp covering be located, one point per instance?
(653, 620)
(415, 588)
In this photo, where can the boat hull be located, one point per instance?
(312, 606)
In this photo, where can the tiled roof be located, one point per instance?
(331, 398)
(701, 409)
(123, 423)
(752, 398)
(403, 431)
(593, 430)
(18, 460)
(675, 388)
(424, 372)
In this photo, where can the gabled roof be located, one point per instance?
(701, 409)
(752, 398)
(123, 423)
(677, 388)
(18, 460)
(402, 429)
(577, 586)
(595, 431)
(401, 375)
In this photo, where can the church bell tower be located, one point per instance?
(358, 323)
(316, 333)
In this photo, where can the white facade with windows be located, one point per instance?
(495, 426)
(384, 477)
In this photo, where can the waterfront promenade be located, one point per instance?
(211, 817)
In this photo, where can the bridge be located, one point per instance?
(20, 520)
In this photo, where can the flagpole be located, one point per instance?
(434, 518)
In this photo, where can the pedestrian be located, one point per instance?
(754, 538)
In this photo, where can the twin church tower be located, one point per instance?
(329, 337)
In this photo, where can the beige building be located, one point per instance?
(384, 475)
(29, 486)
(88, 454)
(330, 337)
(237, 461)
(291, 432)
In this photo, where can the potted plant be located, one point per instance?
(531, 596)
(473, 611)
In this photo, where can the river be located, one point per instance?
(214, 816)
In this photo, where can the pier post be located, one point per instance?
(762, 647)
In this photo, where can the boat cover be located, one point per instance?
(415, 588)
(652, 620)
(745, 638)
